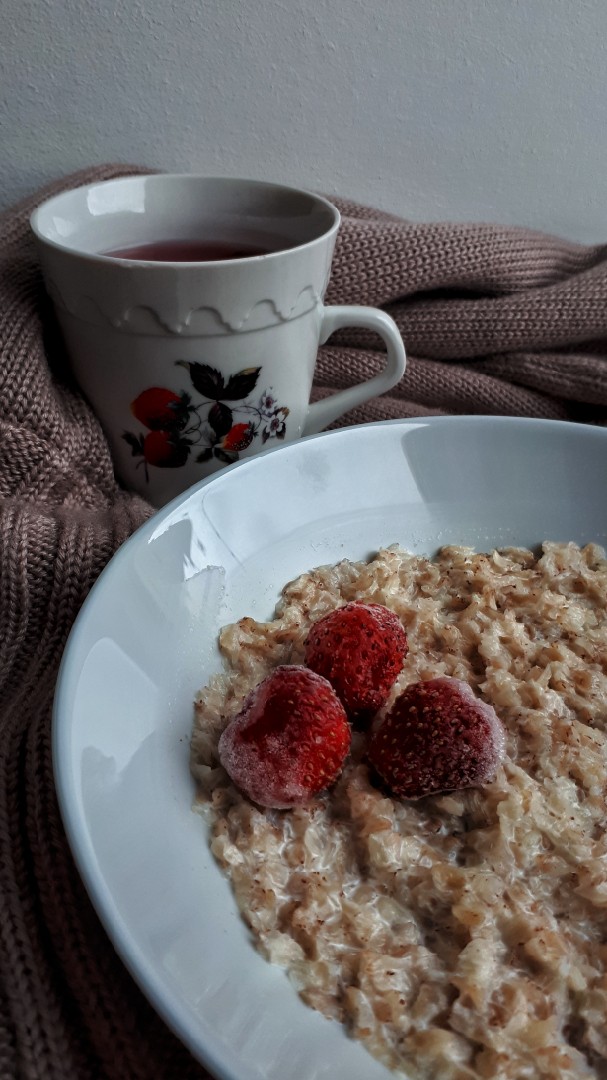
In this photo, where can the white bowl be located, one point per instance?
(145, 641)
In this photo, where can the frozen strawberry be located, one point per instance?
(360, 649)
(437, 737)
(289, 741)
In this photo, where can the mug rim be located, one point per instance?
(164, 264)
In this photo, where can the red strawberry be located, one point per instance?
(437, 737)
(360, 649)
(289, 741)
(165, 450)
(238, 437)
(160, 408)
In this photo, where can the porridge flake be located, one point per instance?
(463, 935)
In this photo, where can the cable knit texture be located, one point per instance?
(496, 321)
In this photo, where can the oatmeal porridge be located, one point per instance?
(462, 935)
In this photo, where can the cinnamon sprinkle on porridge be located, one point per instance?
(462, 935)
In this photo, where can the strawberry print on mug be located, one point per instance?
(221, 426)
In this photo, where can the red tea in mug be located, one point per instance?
(195, 250)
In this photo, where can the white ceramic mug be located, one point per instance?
(191, 365)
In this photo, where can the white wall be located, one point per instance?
(461, 109)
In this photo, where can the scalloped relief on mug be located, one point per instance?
(197, 322)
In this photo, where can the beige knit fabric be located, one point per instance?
(496, 321)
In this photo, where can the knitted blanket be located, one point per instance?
(496, 321)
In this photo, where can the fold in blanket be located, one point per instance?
(496, 320)
(499, 321)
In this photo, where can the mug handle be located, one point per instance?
(321, 413)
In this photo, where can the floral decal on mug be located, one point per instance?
(177, 426)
